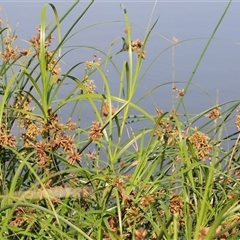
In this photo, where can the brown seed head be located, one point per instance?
(73, 156)
(140, 233)
(95, 132)
(237, 122)
(200, 141)
(215, 113)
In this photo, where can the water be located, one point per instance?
(191, 21)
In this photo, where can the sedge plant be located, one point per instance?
(63, 177)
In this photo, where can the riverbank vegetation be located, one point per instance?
(63, 177)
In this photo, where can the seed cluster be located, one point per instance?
(136, 46)
(168, 132)
(237, 122)
(6, 138)
(95, 132)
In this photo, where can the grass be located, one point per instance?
(60, 180)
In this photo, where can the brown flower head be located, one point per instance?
(125, 30)
(92, 155)
(96, 62)
(140, 234)
(113, 223)
(65, 142)
(53, 64)
(137, 46)
(106, 109)
(237, 122)
(42, 156)
(52, 124)
(17, 222)
(215, 113)
(88, 85)
(175, 205)
(180, 92)
(6, 138)
(24, 52)
(71, 125)
(118, 182)
(73, 156)
(35, 41)
(6, 40)
(203, 232)
(200, 142)
(142, 54)
(95, 132)
(147, 200)
(10, 53)
(174, 113)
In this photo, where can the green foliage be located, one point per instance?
(60, 179)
